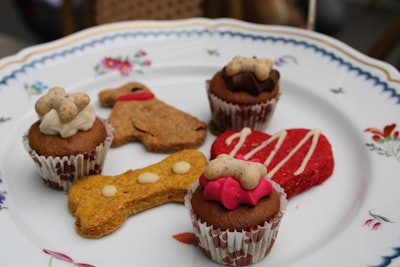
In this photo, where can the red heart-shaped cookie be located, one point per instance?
(297, 159)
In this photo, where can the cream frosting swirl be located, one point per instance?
(51, 124)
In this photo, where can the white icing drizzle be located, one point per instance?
(281, 135)
(315, 134)
(242, 138)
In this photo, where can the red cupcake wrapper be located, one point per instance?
(60, 172)
(238, 247)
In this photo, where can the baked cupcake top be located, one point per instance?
(233, 181)
(64, 114)
(246, 81)
(234, 194)
(67, 125)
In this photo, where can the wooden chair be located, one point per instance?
(98, 12)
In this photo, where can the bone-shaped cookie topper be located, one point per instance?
(261, 67)
(66, 105)
(246, 172)
(101, 204)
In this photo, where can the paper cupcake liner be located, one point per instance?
(60, 172)
(236, 248)
(228, 116)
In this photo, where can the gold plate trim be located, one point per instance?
(209, 24)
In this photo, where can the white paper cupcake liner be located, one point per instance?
(228, 116)
(238, 247)
(60, 172)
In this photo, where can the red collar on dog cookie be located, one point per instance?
(136, 96)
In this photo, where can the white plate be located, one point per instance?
(351, 220)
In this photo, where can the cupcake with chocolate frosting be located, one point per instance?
(243, 94)
(68, 141)
(235, 211)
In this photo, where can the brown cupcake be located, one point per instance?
(242, 97)
(54, 146)
(244, 217)
(235, 234)
(65, 154)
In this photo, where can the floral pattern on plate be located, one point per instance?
(3, 197)
(4, 119)
(285, 59)
(35, 88)
(375, 221)
(386, 141)
(63, 257)
(187, 238)
(213, 52)
(125, 65)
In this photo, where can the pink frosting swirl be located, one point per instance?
(231, 194)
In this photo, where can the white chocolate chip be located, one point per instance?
(148, 177)
(181, 167)
(109, 191)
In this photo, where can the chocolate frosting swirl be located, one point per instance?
(247, 82)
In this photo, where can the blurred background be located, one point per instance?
(370, 26)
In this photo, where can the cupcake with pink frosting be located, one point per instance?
(68, 141)
(235, 211)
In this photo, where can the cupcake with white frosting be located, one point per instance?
(68, 141)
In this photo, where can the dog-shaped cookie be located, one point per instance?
(102, 203)
(137, 115)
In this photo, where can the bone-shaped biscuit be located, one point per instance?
(139, 116)
(102, 203)
(66, 105)
(246, 172)
(261, 67)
